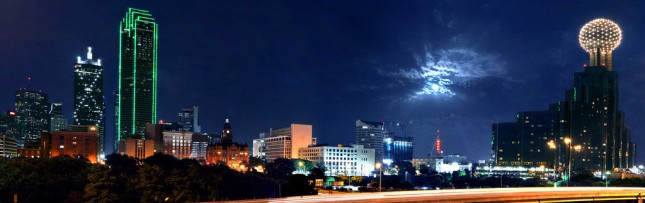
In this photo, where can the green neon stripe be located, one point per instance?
(154, 77)
(118, 120)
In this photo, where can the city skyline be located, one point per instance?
(383, 72)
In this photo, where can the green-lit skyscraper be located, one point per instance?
(137, 73)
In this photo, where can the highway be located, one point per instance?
(534, 194)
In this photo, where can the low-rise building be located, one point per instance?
(72, 143)
(8, 145)
(178, 144)
(353, 161)
(137, 148)
(233, 154)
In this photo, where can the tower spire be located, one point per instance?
(89, 52)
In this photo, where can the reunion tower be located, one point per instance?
(599, 38)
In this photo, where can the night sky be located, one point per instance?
(458, 66)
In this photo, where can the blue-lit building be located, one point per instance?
(396, 145)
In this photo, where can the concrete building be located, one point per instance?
(445, 163)
(178, 143)
(283, 142)
(80, 143)
(371, 135)
(8, 145)
(228, 152)
(352, 161)
(137, 148)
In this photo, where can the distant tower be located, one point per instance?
(89, 107)
(437, 145)
(137, 96)
(599, 38)
(227, 133)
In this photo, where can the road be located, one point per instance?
(535, 194)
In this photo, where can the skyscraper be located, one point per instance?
(32, 115)
(137, 94)
(189, 119)
(89, 107)
(58, 121)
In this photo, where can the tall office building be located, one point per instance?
(32, 116)
(371, 135)
(57, 120)
(89, 107)
(189, 119)
(588, 119)
(137, 98)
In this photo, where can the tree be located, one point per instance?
(101, 186)
(280, 168)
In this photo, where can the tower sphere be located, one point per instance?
(600, 34)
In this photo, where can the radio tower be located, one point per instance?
(437, 145)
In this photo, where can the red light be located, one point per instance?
(603, 64)
(11, 113)
(160, 121)
(585, 65)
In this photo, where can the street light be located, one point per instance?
(378, 165)
(568, 142)
(555, 160)
(301, 164)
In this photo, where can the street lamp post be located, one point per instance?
(555, 160)
(568, 142)
(378, 165)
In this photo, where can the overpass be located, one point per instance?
(535, 194)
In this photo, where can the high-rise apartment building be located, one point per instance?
(32, 116)
(89, 105)
(137, 93)
(189, 119)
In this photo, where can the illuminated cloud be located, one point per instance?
(440, 71)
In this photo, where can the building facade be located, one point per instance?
(137, 148)
(32, 116)
(137, 94)
(8, 145)
(283, 142)
(89, 104)
(351, 161)
(233, 154)
(189, 119)
(371, 135)
(178, 144)
(57, 120)
(73, 143)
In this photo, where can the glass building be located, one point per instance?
(89, 106)
(189, 119)
(32, 115)
(137, 93)
(58, 121)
